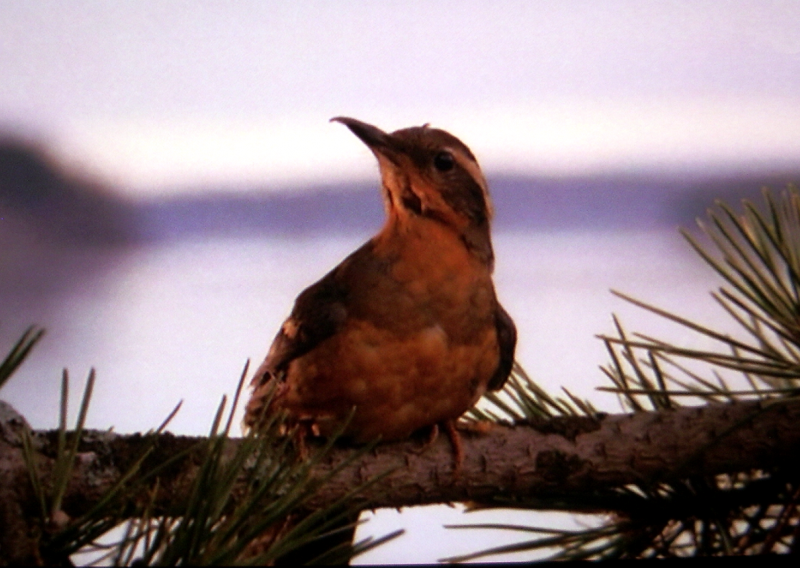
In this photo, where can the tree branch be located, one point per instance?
(570, 457)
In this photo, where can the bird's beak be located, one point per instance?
(376, 139)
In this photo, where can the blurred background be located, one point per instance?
(169, 180)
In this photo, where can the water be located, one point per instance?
(177, 321)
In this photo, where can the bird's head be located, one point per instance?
(429, 173)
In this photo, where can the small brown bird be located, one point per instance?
(406, 332)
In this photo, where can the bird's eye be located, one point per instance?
(444, 161)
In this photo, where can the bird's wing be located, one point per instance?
(319, 312)
(507, 339)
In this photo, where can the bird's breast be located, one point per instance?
(428, 277)
(397, 383)
(418, 347)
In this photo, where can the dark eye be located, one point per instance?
(444, 161)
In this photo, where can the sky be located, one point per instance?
(159, 97)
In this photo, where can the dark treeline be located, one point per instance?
(39, 197)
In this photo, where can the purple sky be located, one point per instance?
(156, 96)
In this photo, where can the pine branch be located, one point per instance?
(562, 462)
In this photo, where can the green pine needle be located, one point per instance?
(757, 254)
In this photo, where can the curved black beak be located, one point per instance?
(376, 139)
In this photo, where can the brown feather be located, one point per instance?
(407, 329)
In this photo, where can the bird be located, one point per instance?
(406, 333)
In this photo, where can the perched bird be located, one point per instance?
(406, 333)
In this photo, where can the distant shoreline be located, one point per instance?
(41, 203)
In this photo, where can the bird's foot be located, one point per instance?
(301, 433)
(458, 447)
(299, 440)
(455, 441)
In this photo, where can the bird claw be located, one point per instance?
(455, 442)
(458, 447)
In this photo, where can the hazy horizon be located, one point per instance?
(157, 98)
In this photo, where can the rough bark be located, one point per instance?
(569, 457)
